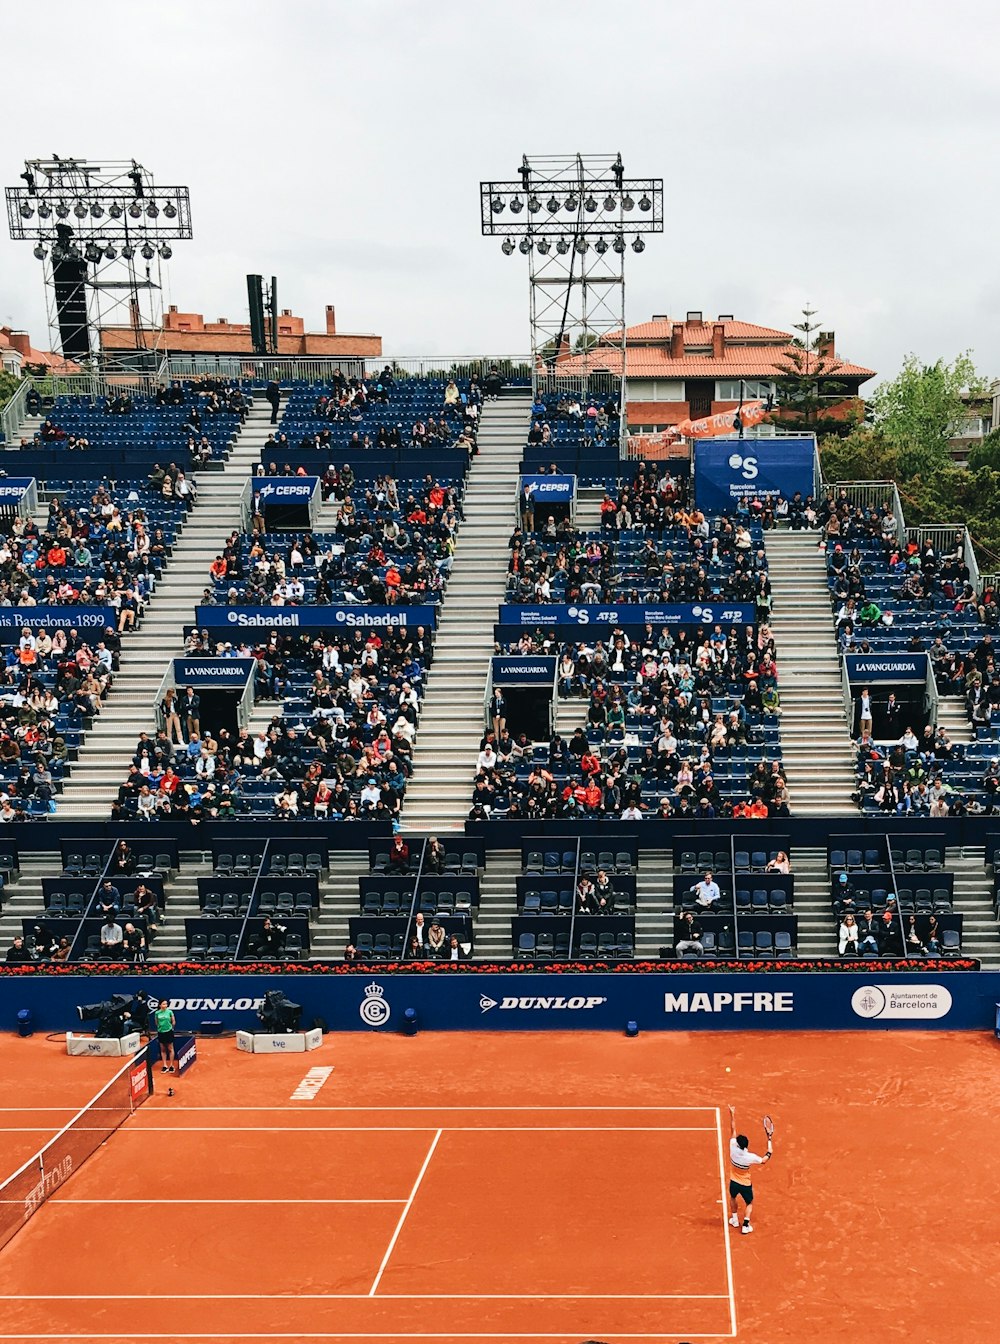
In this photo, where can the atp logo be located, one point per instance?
(746, 466)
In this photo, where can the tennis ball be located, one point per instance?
(728, 1069)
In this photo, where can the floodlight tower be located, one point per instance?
(575, 217)
(101, 234)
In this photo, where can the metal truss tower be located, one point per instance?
(575, 218)
(101, 234)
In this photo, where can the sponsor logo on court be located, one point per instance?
(312, 1082)
(898, 1003)
(374, 1010)
(216, 1005)
(542, 1002)
(756, 1001)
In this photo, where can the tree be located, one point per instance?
(8, 386)
(800, 377)
(917, 410)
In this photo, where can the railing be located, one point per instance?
(12, 415)
(265, 369)
(872, 494)
(942, 537)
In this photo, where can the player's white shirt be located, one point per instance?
(741, 1159)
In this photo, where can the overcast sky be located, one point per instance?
(843, 157)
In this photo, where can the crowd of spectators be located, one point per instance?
(198, 414)
(393, 544)
(341, 750)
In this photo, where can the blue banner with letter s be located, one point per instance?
(729, 470)
(311, 618)
(556, 613)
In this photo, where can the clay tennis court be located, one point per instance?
(560, 1187)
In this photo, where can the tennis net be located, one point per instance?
(24, 1193)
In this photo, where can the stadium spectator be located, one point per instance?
(17, 953)
(687, 935)
(111, 938)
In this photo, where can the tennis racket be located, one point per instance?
(768, 1124)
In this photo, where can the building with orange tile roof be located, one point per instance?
(190, 334)
(686, 369)
(18, 355)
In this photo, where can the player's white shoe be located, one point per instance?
(746, 1229)
(734, 1220)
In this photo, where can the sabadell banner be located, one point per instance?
(821, 1001)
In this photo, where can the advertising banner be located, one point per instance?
(529, 1001)
(729, 470)
(311, 618)
(291, 490)
(88, 621)
(213, 673)
(529, 671)
(14, 488)
(895, 667)
(556, 613)
(549, 489)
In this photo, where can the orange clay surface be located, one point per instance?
(551, 1186)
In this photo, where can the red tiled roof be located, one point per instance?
(700, 333)
(737, 362)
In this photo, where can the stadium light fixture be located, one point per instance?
(40, 252)
(507, 247)
(627, 202)
(638, 245)
(619, 244)
(645, 203)
(524, 246)
(516, 205)
(562, 247)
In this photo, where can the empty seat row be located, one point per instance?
(748, 901)
(556, 861)
(747, 944)
(874, 861)
(429, 902)
(242, 865)
(295, 865)
(591, 946)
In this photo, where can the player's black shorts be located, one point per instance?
(165, 1037)
(745, 1192)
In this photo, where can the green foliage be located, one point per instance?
(799, 377)
(986, 453)
(915, 412)
(8, 386)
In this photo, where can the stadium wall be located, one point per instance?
(530, 1002)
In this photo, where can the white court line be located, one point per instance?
(391, 1109)
(217, 1202)
(406, 1209)
(365, 1297)
(725, 1225)
(400, 1129)
(342, 1335)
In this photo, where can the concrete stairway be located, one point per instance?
(22, 899)
(588, 509)
(954, 719)
(130, 705)
(497, 905)
(815, 742)
(451, 720)
(817, 933)
(973, 899)
(338, 901)
(654, 915)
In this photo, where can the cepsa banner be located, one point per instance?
(548, 489)
(294, 490)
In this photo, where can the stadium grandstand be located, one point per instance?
(487, 809)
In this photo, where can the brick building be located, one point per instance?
(679, 369)
(18, 356)
(190, 334)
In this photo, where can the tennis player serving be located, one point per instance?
(741, 1164)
